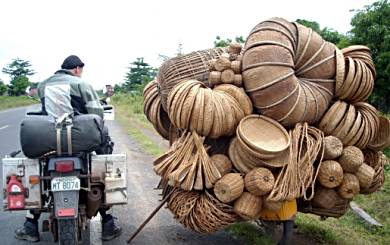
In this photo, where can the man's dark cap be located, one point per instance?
(72, 62)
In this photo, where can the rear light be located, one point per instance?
(66, 212)
(33, 179)
(64, 166)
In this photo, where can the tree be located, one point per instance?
(18, 86)
(138, 75)
(218, 42)
(3, 88)
(17, 68)
(329, 34)
(371, 27)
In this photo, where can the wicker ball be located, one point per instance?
(325, 197)
(365, 174)
(248, 206)
(351, 159)
(350, 187)
(259, 181)
(333, 147)
(222, 162)
(229, 187)
(330, 174)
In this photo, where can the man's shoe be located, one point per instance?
(110, 230)
(29, 232)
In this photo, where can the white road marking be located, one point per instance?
(4, 127)
(95, 229)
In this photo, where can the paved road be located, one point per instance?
(163, 229)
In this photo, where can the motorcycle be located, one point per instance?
(69, 185)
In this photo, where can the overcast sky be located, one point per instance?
(108, 35)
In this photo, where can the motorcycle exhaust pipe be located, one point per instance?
(94, 200)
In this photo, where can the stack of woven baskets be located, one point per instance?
(285, 118)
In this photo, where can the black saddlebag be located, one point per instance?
(38, 135)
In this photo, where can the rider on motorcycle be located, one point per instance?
(65, 92)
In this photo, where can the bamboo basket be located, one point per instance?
(339, 209)
(248, 206)
(350, 187)
(324, 198)
(222, 162)
(181, 68)
(351, 159)
(259, 181)
(333, 147)
(365, 174)
(229, 187)
(330, 174)
(287, 68)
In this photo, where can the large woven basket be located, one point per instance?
(289, 71)
(181, 68)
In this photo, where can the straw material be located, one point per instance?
(263, 134)
(365, 174)
(325, 198)
(278, 55)
(339, 209)
(187, 164)
(200, 211)
(248, 206)
(349, 187)
(222, 162)
(382, 137)
(238, 94)
(181, 68)
(330, 174)
(351, 159)
(377, 160)
(299, 174)
(229, 187)
(333, 147)
(259, 181)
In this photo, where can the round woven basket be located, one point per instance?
(351, 159)
(240, 96)
(333, 147)
(248, 206)
(324, 197)
(181, 68)
(229, 187)
(263, 134)
(377, 160)
(365, 174)
(382, 138)
(259, 181)
(222, 162)
(349, 187)
(330, 174)
(279, 55)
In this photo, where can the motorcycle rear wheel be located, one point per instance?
(67, 231)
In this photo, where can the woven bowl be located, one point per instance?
(263, 134)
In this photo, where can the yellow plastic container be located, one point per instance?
(286, 212)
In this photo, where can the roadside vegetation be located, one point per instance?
(7, 102)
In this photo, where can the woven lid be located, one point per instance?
(263, 134)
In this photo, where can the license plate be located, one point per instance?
(65, 184)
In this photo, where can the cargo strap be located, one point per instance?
(59, 124)
(69, 126)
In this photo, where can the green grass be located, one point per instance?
(250, 234)
(129, 111)
(7, 102)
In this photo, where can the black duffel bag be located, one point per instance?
(38, 135)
